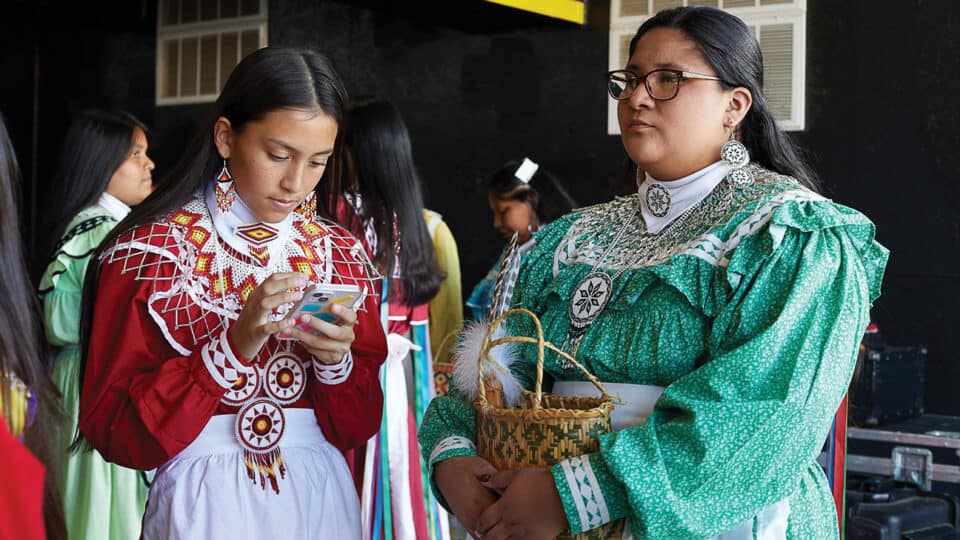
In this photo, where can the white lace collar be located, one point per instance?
(662, 202)
(114, 206)
(242, 231)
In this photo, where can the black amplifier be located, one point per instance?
(888, 385)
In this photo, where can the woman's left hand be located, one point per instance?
(529, 507)
(333, 341)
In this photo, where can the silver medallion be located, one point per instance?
(658, 200)
(740, 177)
(589, 299)
(735, 154)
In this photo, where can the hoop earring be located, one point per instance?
(308, 208)
(226, 194)
(736, 155)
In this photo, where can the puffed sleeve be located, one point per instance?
(61, 285)
(741, 432)
(141, 401)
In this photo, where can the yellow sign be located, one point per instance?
(568, 10)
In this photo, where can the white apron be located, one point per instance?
(204, 492)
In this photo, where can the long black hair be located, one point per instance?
(22, 347)
(731, 49)
(382, 171)
(96, 144)
(544, 191)
(267, 80)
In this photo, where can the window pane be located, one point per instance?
(228, 55)
(776, 43)
(249, 42)
(634, 7)
(170, 10)
(711, 3)
(189, 11)
(171, 63)
(666, 4)
(228, 8)
(208, 10)
(624, 50)
(208, 65)
(188, 67)
(739, 3)
(249, 7)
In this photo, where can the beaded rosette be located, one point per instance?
(199, 285)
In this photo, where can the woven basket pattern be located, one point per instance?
(544, 429)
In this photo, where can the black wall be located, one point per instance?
(490, 84)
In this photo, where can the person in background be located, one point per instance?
(190, 362)
(524, 197)
(29, 412)
(723, 303)
(379, 199)
(446, 308)
(104, 170)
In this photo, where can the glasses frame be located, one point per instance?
(681, 76)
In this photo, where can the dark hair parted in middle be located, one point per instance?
(96, 144)
(267, 80)
(728, 45)
(380, 168)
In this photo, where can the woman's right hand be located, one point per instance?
(459, 480)
(252, 328)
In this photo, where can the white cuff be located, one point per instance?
(334, 373)
(220, 361)
(450, 443)
(587, 494)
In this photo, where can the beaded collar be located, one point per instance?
(242, 231)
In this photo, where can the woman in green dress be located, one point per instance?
(104, 170)
(723, 302)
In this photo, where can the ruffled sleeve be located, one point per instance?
(61, 285)
(737, 434)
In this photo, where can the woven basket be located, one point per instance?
(545, 429)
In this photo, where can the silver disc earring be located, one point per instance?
(736, 155)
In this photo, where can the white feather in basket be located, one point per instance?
(496, 367)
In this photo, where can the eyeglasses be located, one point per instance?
(661, 84)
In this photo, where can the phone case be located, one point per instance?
(318, 300)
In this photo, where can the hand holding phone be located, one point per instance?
(318, 301)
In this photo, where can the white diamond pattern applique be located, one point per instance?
(194, 293)
(591, 506)
(451, 443)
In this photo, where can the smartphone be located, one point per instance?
(318, 300)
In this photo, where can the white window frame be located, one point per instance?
(794, 13)
(200, 30)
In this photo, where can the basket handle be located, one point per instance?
(445, 342)
(541, 344)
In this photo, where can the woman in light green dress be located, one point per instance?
(104, 170)
(723, 302)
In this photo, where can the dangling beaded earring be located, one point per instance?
(736, 155)
(225, 192)
(308, 208)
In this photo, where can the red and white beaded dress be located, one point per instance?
(246, 448)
